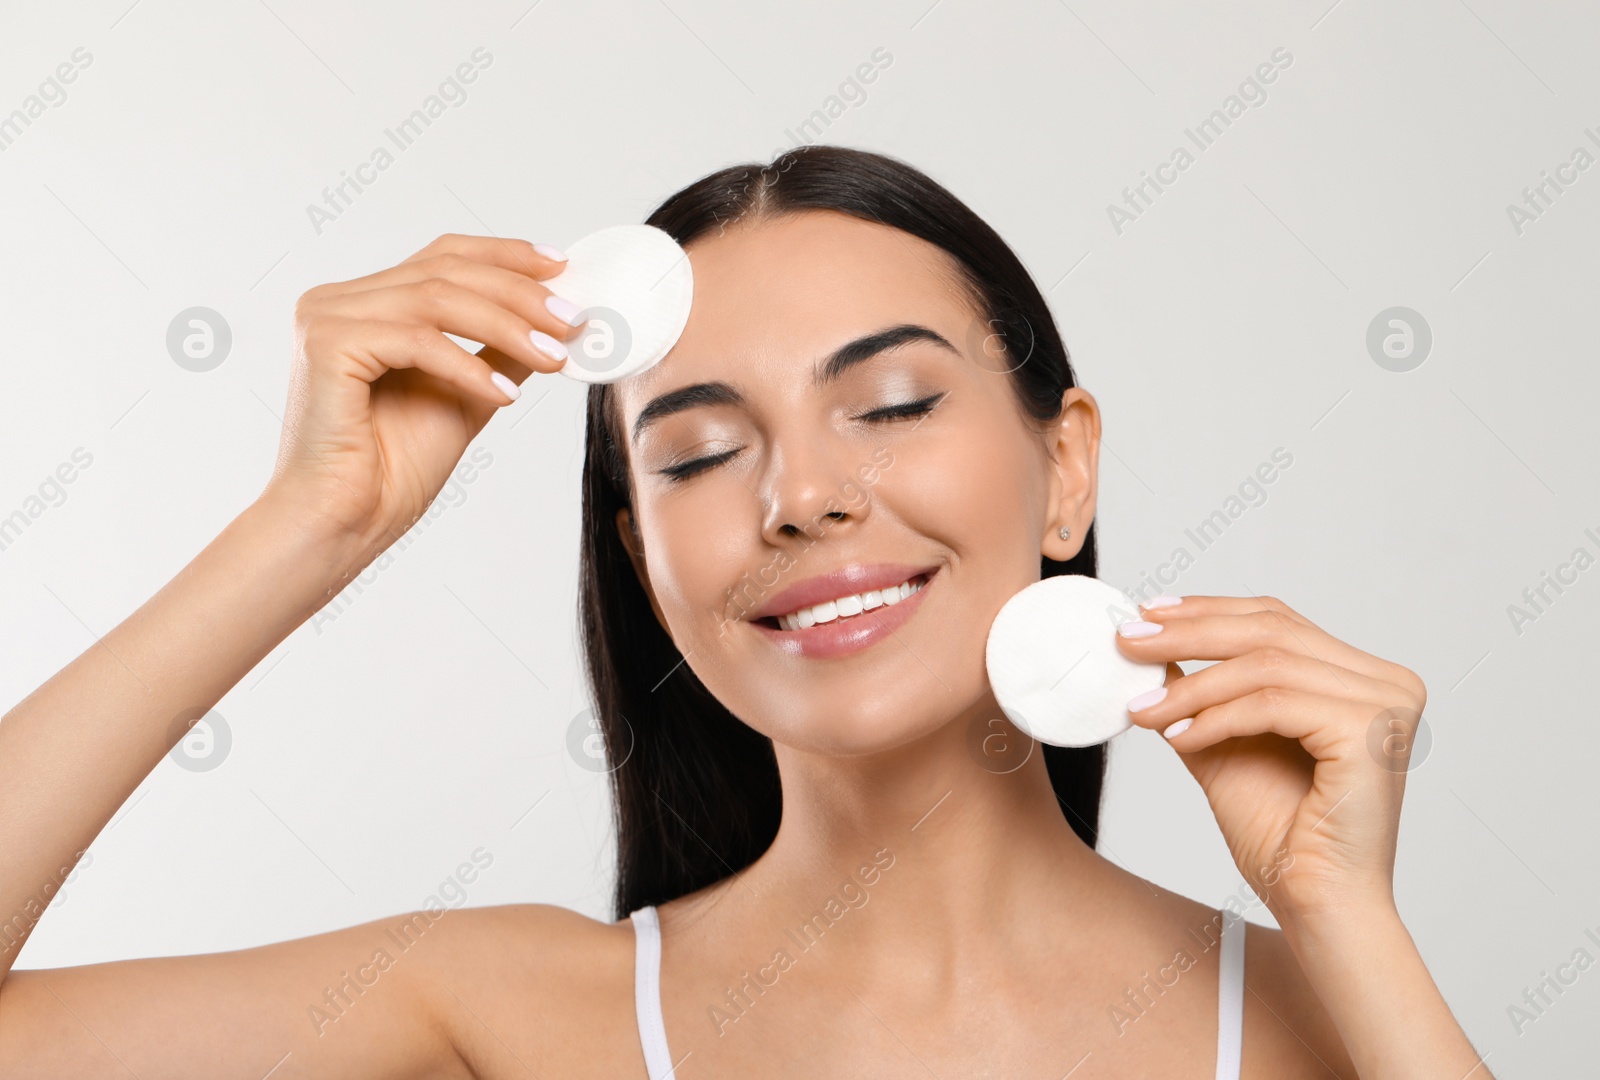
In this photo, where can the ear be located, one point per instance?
(629, 531)
(1074, 447)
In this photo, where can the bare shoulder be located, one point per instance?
(531, 986)
(1287, 1032)
(442, 992)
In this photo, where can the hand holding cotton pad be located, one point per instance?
(1054, 665)
(633, 285)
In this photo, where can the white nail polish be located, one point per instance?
(1178, 728)
(551, 252)
(1147, 699)
(512, 390)
(563, 309)
(1137, 628)
(547, 344)
(1164, 600)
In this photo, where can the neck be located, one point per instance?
(942, 846)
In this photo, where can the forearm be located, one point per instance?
(1391, 1017)
(74, 750)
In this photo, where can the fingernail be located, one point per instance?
(551, 252)
(1164, 600)
(1139, 628)
(1179, 728)
(563, 309)
(547, 344)
(1147, 699)
(511, 389)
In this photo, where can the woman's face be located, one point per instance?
(770, 479)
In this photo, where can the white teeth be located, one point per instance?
(845, 607)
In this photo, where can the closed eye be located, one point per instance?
(910, 410)
(685, 469)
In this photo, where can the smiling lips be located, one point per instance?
(845, 607)
(844, 611)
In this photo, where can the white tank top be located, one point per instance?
(653, 1032)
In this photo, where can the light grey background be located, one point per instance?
(372, 751)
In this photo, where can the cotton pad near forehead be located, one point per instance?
(1054, 665)
(633, 285)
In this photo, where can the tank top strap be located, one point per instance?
(1230, 996)
(647, 992)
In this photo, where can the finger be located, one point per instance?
(440, 303)
(1219, 605)
(521, 257)
(1256, 670)
(518, 293)
(1323, 726)
(379, 346)
(1219, 628)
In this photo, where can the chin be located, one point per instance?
(858, 724)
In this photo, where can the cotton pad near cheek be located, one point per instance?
(1054, 665)
(632, 285)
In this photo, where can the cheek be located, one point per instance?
(980, 491)
(699, 546)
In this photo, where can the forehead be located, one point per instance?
(791, 289)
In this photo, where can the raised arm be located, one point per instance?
(382, 405)
(1301, 743)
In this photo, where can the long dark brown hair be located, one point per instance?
(697, 794)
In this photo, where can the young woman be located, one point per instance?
(836, 858)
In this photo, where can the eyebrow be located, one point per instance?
(834, 365)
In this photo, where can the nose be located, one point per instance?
(811, 489)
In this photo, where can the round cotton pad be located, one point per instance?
(632, 283)
(1054, 665)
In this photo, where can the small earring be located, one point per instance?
(1066, 533)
